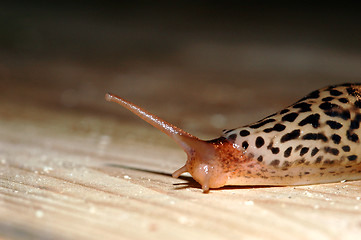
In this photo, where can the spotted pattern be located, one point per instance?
(322, 130)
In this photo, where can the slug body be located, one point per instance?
(315, 140)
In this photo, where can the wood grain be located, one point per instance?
(72, 176)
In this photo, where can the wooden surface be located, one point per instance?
(73, 166)
(68, 174)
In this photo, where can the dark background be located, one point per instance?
(89, 31)
(231, 62)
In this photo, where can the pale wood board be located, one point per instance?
(71, 175)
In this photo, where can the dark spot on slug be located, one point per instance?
(336, 138)
(343, 100)
(314, 94)
(260, 158)
(314, 151)
(328, 106)
(335, 93)
(232, 137)
(311, 119)
(298, 147)
(337, 113)
(262, 123)
(290, 136)
(290, 117)
(326, 99)
(328, 162)
(352, 157)
(287, 152)
(355, 123)
(300, 161)
(304, 151)
(345, 115)
(334, 124)
(284, 111)
(270, 145)
(245, 145)
(319, 159)
(315, 136)
(244, 133)
(275, 150)
(278, 127)
(352, 136)
(333, 151)
(286, 164)
(304, 107)
(259, 142)
(346, 148)
(275, 163)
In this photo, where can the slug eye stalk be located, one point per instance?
(201, 154)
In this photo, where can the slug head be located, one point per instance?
(208, 161)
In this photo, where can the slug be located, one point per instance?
(315, 140)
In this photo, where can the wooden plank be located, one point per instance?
(72, 176)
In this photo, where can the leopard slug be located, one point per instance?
(315, 140)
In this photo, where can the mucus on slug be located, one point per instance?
(315, 140)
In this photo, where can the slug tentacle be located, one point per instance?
(315, 140)
(177, 173)
(202, 161)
